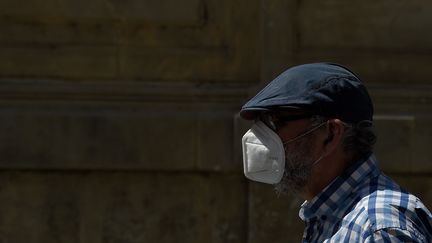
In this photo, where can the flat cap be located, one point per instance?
(326, 89)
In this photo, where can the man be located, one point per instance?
(313, 135)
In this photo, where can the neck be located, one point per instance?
(323, 173)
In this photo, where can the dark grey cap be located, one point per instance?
(325, 89)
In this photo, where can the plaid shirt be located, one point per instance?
(364, 205)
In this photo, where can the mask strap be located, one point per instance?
(317, 161)
(304, 134)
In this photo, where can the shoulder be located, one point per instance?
(385, 210)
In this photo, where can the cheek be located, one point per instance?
(307, 148)
(300, 150)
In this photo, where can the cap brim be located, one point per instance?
(253, 112)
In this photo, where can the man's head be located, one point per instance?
(322, 115)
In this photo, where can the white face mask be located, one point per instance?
(264, 153)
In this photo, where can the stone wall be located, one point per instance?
(119, 118)
(387, 45)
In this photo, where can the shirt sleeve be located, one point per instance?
(395, 235)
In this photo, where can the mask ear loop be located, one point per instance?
(304, 134)
(317, 161)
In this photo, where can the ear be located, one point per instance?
(335, 131)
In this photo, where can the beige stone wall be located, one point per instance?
(119, 118)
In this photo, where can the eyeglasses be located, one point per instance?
(276, 121)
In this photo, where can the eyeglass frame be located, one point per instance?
(268, 119)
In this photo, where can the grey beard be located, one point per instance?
(298, 169)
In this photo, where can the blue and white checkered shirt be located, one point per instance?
(364, 205)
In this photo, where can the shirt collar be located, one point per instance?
(331, 198)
